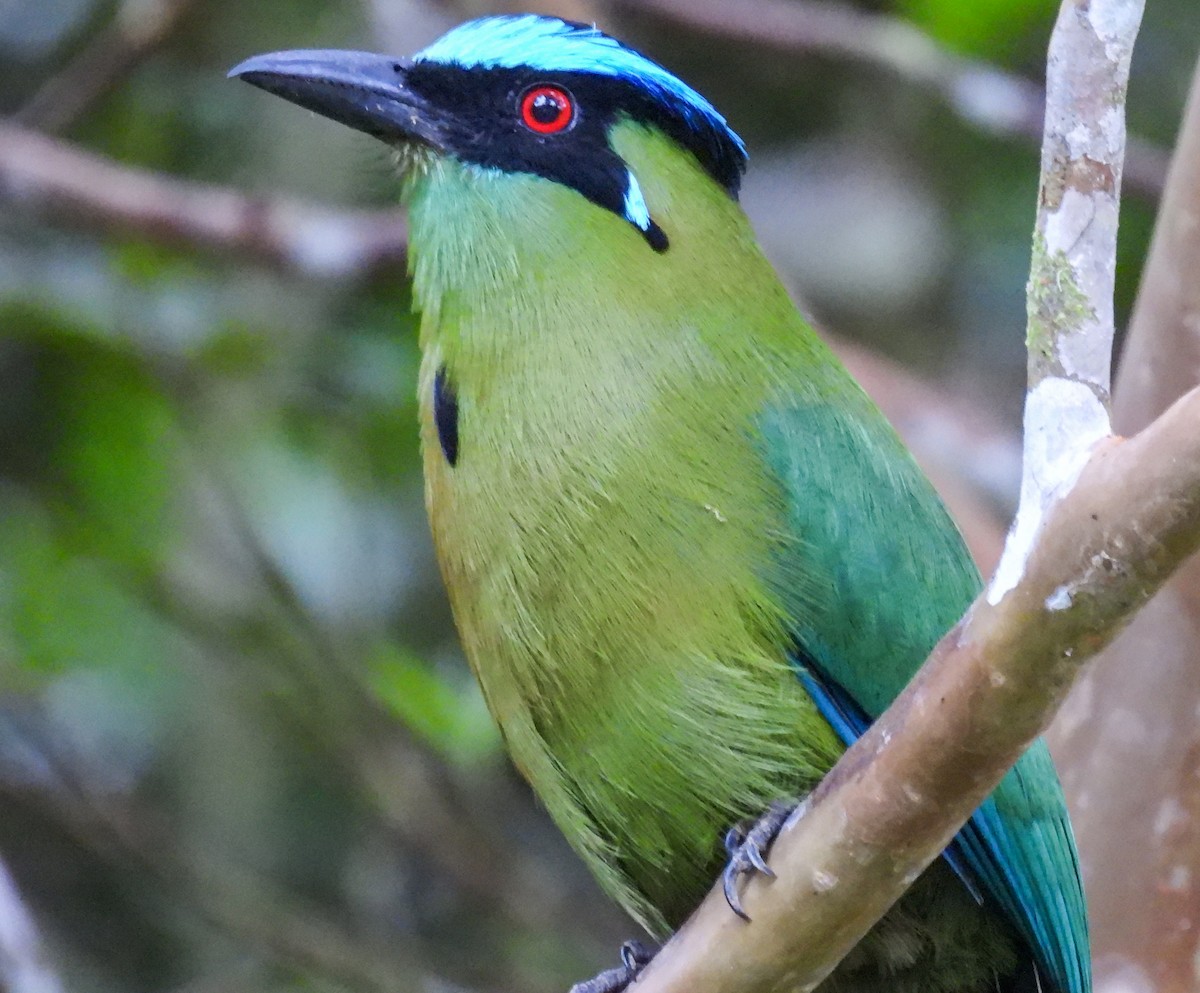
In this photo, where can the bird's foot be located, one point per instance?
(634, 958)
(747, 844)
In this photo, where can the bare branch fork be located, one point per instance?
(1102, 524)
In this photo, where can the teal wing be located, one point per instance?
(873, 572)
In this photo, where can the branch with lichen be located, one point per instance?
(1102, 525)
(1127, 740)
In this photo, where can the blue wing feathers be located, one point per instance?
(834, 703)
(874, 572)
(850, 722)
(986, 853)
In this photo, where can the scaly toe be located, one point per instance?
(635, 956)
(747, 848)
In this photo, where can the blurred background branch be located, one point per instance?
(137, 28)
(64, 181)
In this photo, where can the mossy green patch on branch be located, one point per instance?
(1055, 303)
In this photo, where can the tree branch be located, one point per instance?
(1126, 741)
(1102, 525)
(1069, 299)
(53, 176)
(1161, 360)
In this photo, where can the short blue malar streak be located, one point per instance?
(636, 210)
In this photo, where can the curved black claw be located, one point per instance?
(634, 958)
(747, 845)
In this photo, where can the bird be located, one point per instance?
(689, 560)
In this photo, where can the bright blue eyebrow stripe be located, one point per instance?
(547, 44)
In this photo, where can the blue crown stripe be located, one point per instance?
(548, 44)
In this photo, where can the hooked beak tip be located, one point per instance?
(363, 90)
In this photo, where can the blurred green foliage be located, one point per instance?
(444, 710)
(993, 29)
(239, 748)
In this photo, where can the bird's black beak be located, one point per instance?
(368, 92)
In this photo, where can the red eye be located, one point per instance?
(547, 109)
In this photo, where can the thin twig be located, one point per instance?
(982, 94)
(138, 28)
(1069, 299)
(42, 173)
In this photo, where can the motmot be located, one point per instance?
(688, 558)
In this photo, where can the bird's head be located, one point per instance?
(519, 95)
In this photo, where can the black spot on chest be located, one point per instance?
(445, 415)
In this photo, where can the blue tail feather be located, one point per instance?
(996, 849)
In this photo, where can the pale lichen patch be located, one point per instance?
(1055, 304)
(1115, 23)
(1063, 421)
